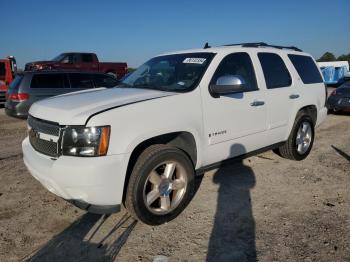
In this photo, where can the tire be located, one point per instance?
(150, 196)
(298, 146)
(112, 74)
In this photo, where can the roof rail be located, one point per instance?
(249, 44)
(262, 44)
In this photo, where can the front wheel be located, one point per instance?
(300, 140)
(161, 185)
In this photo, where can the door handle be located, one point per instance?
(257, 103)
(294, 96)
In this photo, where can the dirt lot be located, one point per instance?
(264, 208)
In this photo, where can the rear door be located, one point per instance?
(281, 94)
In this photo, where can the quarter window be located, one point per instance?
(238, 64)
(275, 71)
(306, 69)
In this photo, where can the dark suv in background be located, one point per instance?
(32, 86)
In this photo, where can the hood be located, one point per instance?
(75, 108)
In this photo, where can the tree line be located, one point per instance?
(328, 56)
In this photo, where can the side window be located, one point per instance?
(86, 58)
(237, 64)
(68, 59)
(76, 58)
(48, 81)
(105, 81)
(306, 69)
(83, 81)
(275, 71)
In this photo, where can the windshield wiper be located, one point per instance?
(149, 87)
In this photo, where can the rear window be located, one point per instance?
(306, 69)
(48, 81)
(86, 58)
(275, 71)
(16, 82)
(105, 81)
(2, 69)
(83, 81)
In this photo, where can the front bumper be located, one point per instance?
(2, 97)
(339, 103)
(15, 113)
(92, 183)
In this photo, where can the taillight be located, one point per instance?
(334, 92)
(18, 97)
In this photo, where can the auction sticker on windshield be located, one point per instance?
(193, 60)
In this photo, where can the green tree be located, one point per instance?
(326, 57)
(344, 58)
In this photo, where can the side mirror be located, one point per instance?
(228, 84)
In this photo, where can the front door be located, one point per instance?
(234, 124)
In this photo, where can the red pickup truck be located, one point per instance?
(80, 61)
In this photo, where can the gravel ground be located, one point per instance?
(264, 208)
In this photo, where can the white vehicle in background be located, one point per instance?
(180, 114)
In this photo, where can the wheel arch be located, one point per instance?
(182, 140)
(311, 110)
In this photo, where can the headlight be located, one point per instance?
(85, 141)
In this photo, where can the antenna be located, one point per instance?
(206, 45)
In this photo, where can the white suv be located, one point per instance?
(178, 115)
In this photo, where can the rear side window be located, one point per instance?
(48, 81)
(105, 81)
(2, 69)
(83, 81)
(275, 71)
(237, 64)
(86, 58)
(306, 69)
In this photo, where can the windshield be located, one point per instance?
(2, 70)
(59, 57)
(173, 73)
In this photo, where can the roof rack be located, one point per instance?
(262, 44)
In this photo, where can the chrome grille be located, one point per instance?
(42, 126)
(2, 97)
(43, 146)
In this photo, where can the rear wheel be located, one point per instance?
(112, 74)
(300, 140)
(161, 185)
